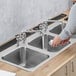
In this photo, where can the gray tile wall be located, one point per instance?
(17, 15)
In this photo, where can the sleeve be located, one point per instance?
(70, 28)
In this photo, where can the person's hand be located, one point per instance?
(63, 42)
(57, 41)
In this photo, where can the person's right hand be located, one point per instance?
(57, 41)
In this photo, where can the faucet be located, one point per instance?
(22, 37)
(57, 21)
(43, 27)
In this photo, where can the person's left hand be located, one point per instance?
(56, 41)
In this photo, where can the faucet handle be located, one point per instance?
(41, 26)
(18, 39)
(23, 36)
(45, 24)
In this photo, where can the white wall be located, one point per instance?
(16, 15)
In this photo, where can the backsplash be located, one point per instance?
(18, 15)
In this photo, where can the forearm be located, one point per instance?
(67, 32)
(70, 28)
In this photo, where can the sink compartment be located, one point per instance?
(57, 29)
(33, 58)
(38, 43)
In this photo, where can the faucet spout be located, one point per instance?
(57, 21)
(45, 42)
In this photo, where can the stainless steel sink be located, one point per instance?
(33, 58)
(38, 43)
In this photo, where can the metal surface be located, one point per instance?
(57, 29)
(32, 57)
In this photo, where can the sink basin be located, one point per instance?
(38, 43)
(57, 29)
(33, 58)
